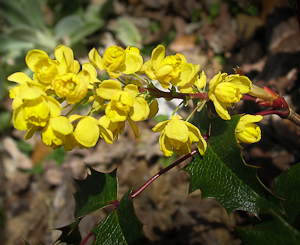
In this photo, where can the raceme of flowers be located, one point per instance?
(62, 81)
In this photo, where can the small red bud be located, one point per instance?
(239, 71)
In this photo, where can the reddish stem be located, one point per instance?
(283, 114)
(248, 97)
(86, 239)
(162, 172)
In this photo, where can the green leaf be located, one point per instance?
(127, 33)
(98, 190)
(293, 4)
(66, 26)
(287, 186)
(202, 119)
(121, 226)
(34, 12)
(13, 13)
(278, 232)
(223, 175)
(85, 30)
(5, 119)
(10, 44)
(70, 233)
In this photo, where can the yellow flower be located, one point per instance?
(70, 86)
(197, 82)
(117, 60)
(225, 90)
(87, 130)
(123, 103)
(247, 131)
(45, 69)
(59, 132)
(178, 135)
(33, 107)
(65, 59)
(116, 128)
(162, 68)
(24, 82)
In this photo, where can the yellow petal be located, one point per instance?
(96, 59)
(164, 145)
(75, 117)
(243, 83)
(54, 106)
(64, 54)
(153, 109)
(227, 92)
(140, 109)
(160, 126)
(133, 61)
(132, 89)
(33, 57)
(201, 80)
(18, 119)
(221, 108)
(19, 77)
(177, 130)
(87, 132)
(157, 56)
(108, 88)
(202, 146)
(216, 80)
(134, 128)
(30, 94)
(62, 125)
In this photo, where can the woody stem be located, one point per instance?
(133, 195)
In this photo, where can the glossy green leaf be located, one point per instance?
(70, 233)
(98, 190)
(278, 232)
(121, 226)
(287, 186)
(223, 175)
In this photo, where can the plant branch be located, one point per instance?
(169, 95)
(86, 239)
(133, 195)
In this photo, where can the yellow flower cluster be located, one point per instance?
(37, 101)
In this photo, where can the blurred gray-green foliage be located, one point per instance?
(23, 27)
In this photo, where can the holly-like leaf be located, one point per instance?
(121, 226)
(98, 190)
(287, 186)
(70, 233)
(223, 175)
(278, 232)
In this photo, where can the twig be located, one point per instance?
(162, 172)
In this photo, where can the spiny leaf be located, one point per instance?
(70, 233)
(223, 175)
(287, 186)
(278, 232)
(121, 226)
(98, 190)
